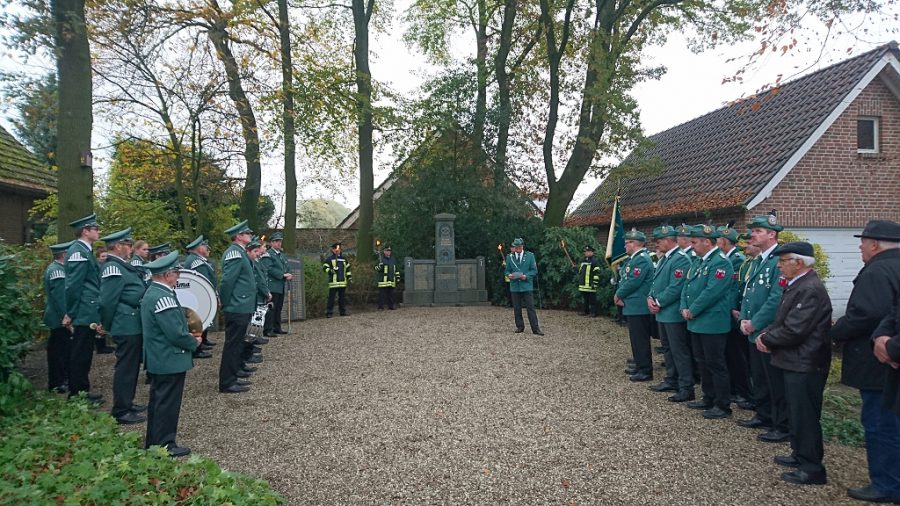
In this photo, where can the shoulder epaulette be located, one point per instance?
(76, 257)
(165, 303)
(57, 274)
(197, 263)
(137, 262)
(231, 255)
(679, 252)
(111, 270)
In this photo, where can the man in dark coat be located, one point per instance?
(800, 348)
(875, 288)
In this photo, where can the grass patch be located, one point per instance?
(840, 411)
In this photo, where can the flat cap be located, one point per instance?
(882, 230)
(798, 248)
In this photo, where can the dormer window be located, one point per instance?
(867, 135)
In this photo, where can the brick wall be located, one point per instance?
(833, 185)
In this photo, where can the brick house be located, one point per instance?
(23, 180)
(824, 150)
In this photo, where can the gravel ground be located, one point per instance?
(448, 406)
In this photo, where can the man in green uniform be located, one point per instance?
(277, 274)
(521, 267)
(337, 268)
(54, 313)
(759, 305)
(750, 252)
(237, 292)
(706, 305)
(588, 281)
(159, 251)
(664, 301)
(82, 303)
(633, 288)
(121, 289)
(256, 251)
(167, 348)
(198, 261)
(388, 275)
(736, 350)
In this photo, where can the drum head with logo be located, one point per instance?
(195, 292)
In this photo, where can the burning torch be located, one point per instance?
(562, 244)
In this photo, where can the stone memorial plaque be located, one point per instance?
(424, 276)
(467, 279)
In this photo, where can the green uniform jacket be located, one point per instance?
(588, 275)
(138, 262)
(637, 278)
(743, 275)
(338, 270)
(762, 296)
(388, 275)
(54, 295)
(121, 289)
(197, 263)
(668, 281)
(82, 285)
(737, 259)
(707, 293)
(262, 284)
(528, 267)
(237, 290)
(168, 347)
(276, 265)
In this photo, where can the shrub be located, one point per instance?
(64, 452)
(822, 269)
(840, 411)
(316, 286)
(556, 276)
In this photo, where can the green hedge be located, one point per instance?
(64, 452)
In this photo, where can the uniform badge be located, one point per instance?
(720, 273)
(678, 273)
(637, 271)
(706, 271)
(734, 276)
(782, 282)
(628, 269)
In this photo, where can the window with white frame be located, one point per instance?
(867, 135)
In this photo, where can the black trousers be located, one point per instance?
(81, 354)
(803, 391)
(679, 357)
(775, 379)
(164, 409)
(736, 355)
(128, 364)
(235, 330)
(709, 350)
(639, 329)
(590, 303)
(273, 315)
(527, 299)
(759, 383)
(386, 297)
(342, 301)
(58, 351)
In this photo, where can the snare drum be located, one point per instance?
(194, 291)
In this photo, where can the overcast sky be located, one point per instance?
(691, 87)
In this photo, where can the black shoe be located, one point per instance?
(701, 404)
(243, 383)
(61, 389)
(716, 412)
(202, 354)
(774, 436)
(281, 332)
(345, 314)
(869, 494)
(248, 369)
(786, 460)
(255, 359)
(242, 374)
(380, 308)
(204, 347)
(263, 340)
(130, 418)
(660, 349)
(106, 350)
(178, 451)
(538, 333)
(629, 362)
(234, 389)
(682, 397)
(663, 387)
(138, 408)
(641, 377)
(328, 315)
(208, 343)
(256, 349)
(631, 370)
(94, 397)
(754, 423)
(391, 308)
(800, 477)
(519, 331)
(745, 404)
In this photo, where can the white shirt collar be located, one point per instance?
(90, 247)
(636, 252)
(671, 251)
(791, 281)
(765, 254)
(710, 252)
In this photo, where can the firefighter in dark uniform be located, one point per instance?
(588, 281)
(388, 275)
(54, 312)
(337, 268)
(121, 289)
(198, 260)
(168, 347)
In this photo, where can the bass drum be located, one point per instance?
(195, 292)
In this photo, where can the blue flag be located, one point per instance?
(615, 243)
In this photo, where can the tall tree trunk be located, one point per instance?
(481, 74)
(290, 170)
(73, 66)
(218, 34)
(362, 11)
(503, 88)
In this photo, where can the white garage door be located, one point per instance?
(843, 260)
